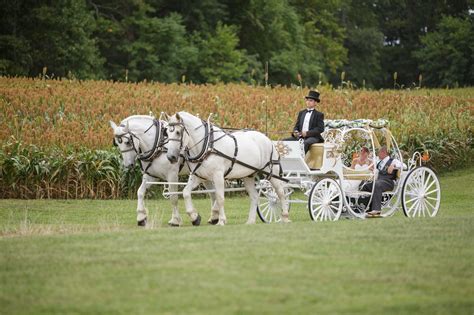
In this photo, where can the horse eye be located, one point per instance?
(177, 133)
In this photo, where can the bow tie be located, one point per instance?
(309, 110)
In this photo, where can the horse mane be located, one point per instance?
(197, 119)
(135, 117)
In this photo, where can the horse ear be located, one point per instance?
(126, 128)
(165, 116)
(113, 125)
(178, 117)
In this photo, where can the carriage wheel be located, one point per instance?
(421, 193)
(325, 201)
(269, 206)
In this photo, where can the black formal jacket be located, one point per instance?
(316, 124)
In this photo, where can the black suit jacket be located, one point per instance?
(316, 124)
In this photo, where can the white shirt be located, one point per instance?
(396, 163)
(307, 118)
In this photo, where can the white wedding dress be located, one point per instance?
(353, 184)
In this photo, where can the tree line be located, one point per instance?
(373, 44)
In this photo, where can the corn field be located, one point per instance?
(57, 142)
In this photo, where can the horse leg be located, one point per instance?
(214, 218)
(278, 186)
(175, 217)
(249, 183)
(218, 180)
(142, 212)
(193, 182)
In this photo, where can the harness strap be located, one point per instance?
(236, 150)
(206, 147)
(157, 148)
(250, 166)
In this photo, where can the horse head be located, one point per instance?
(177, 139)
(123, 140)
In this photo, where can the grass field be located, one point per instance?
(87, 257)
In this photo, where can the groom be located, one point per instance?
(310, 123)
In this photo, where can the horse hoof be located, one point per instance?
(213, 221)
(173, 224)
(197, 222)
(142, 222)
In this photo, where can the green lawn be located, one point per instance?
(87, 257)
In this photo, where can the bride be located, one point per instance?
(362, 161)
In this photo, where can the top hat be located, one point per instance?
(313, 95)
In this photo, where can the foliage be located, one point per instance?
(451, 43)
(281, 42)
(49, 38)
(221, 60)
(158, 49)
(29, 172)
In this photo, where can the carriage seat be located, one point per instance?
(314, 156)
(350, 174)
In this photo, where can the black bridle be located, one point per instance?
(158, 143)
(118, 139)
(207, 141)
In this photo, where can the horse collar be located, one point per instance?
(207, 145)
(158, 143)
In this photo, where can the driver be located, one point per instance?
(310, 123)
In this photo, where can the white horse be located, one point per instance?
(142, 138)
(216, 155)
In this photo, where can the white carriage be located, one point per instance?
(331, 186)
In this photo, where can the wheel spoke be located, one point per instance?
(423, 207)
(412, 206)
(412, 187)
(415, 197)
(324, 217)
(334, 211)
(265, 212)
(328, 213)
(418, 209)
(271, 215)
(332, 215)
(432, 191)
(433, 208)
(318, 213)
(429, 186)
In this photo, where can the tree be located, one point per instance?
(446, 57)
(219, 58)
(364, 43)
(135, 41)
(198, 15)
(323, 36)
(403, 23)
(60, 36)
(15, 50)
(272, 32)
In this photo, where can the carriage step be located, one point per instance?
(372, 216)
